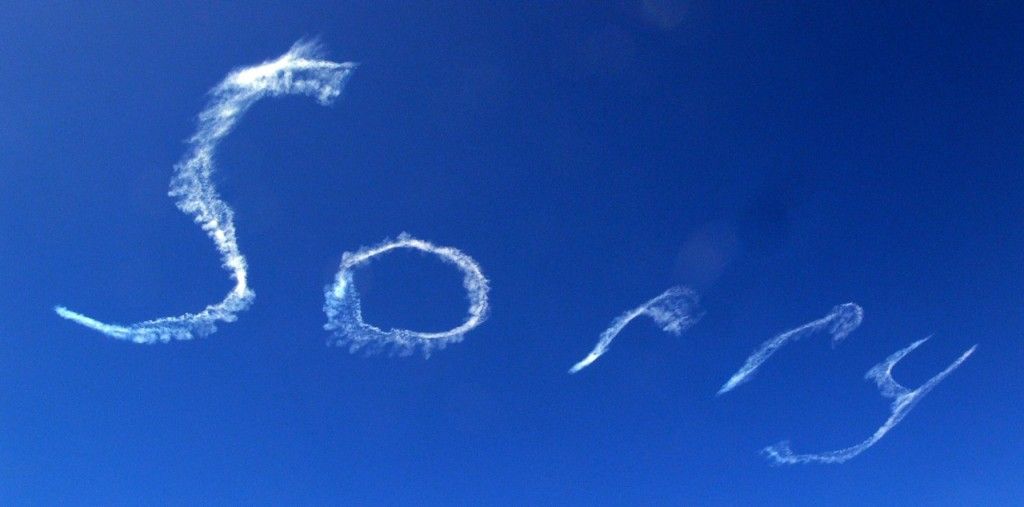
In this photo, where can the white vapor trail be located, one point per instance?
(840, 322)
(675, 310)
(344, 310)
(300, 71)
(903, 401)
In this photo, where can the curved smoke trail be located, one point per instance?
(300, 71)
(344, 311)
(840, 322)
(903, 401)
(675, 310)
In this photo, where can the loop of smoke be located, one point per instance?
(344, 311)
(300, 71)
(903, 401)
(674, 310)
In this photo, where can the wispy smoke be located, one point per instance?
(300, 71)
(675, 310)
(903, 401)
(839, 323)
(344, 312)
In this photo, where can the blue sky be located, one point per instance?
(779, 160)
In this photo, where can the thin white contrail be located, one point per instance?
(840, 322)
(675, 310)
(300, 71)
(344, 310)
(903, 401)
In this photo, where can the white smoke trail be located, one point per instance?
(675, 310)
(903, 401)
(840, 322)
(344, 311)
(300, 71)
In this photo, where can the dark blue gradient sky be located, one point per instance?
(778, 159)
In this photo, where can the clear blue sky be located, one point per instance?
(780, 160)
